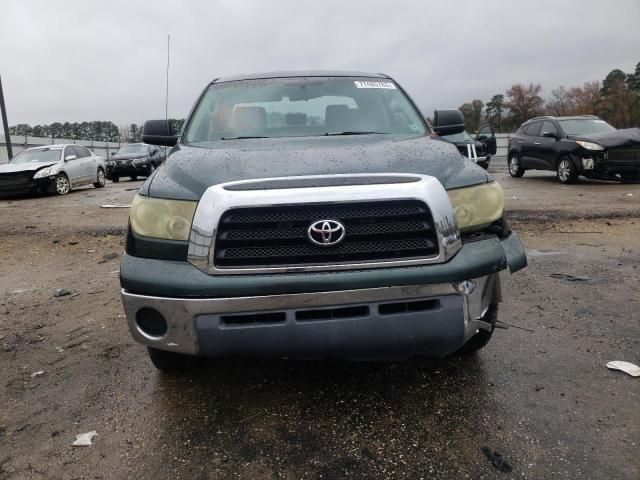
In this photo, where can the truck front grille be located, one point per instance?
(277, 236)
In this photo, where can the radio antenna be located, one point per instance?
(166, 98)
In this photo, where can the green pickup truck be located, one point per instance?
(313, 215)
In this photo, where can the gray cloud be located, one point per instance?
(75, 60)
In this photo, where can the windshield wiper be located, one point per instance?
(239, 138)
(331, 134)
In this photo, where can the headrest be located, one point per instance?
(336, 117)
(249, 118)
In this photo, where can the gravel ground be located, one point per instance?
(539, 393)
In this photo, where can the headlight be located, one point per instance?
(45, 172)
(160, 218)
(589, 145)
(478, 206)
(137, 162)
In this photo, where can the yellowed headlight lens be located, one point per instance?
(478, 206)
(161, 218)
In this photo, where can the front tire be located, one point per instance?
(515, 168)
(102, 181)
(62, 185)
(565, 171)
(134, 178)
(171, 361)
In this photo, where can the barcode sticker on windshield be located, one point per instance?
(361, 84)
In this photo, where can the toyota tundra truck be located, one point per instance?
(313, 215)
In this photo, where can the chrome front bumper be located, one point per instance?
(196, 326)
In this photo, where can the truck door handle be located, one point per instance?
(536, 143)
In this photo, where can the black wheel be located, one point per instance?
(102, 181)
(115, 178)
(62, 184)
(150, 169)
(515, 169)
(172, 361)
(566, 171)
(134, 177)
(480, 339)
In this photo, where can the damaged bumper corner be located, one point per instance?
(514, 252)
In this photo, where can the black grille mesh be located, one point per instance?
(624, 154)
(277, 236)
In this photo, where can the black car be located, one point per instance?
(134, 160)
(573, 146)
(478, 149)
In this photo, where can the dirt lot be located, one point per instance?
(539, 393)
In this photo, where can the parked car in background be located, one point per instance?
(478, 149)
(573, 146)
(52, 168)
(314, 215)
(135, 160)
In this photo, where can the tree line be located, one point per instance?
(97, 130)
(616, 99)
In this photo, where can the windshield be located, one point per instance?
(39, 155)
(585, 126)
(458, 137)
(133, 149)
(302, 106)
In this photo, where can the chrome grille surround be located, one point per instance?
(221, 198)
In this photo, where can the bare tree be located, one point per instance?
(524, 103)
(561, 102)
(586, 100)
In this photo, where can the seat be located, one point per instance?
(249, 120)
(337, 118)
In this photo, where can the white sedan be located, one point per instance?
(52, 168)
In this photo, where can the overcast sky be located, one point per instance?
(76, 61)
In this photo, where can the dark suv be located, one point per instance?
(135, 160)
(572, 146)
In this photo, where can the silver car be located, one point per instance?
(52, 168)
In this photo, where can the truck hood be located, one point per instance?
(190, 170)
(628, 137)
(24, 167)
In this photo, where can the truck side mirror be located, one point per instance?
(157, 132)
(448, 122)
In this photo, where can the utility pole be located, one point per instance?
(5, 124)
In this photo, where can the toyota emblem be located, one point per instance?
(326, 233)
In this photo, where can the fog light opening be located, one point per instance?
(588, 163)
(151, 322)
